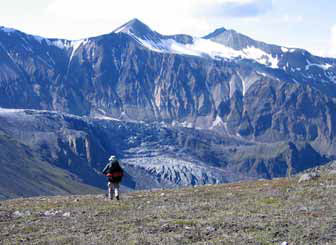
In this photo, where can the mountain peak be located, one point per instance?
(134, 26)
(135, 21)
(232, 39)
(215, 33)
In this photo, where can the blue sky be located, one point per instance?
(306, 24)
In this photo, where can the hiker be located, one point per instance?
(114, 173)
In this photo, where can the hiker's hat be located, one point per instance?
(112, 158)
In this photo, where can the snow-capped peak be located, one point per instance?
(195, 46)
(215, 33)
(139, 31)
(201, 47)
(134, 26)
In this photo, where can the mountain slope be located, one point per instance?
(262, 212)
(23, 173)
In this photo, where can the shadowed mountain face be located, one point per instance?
(269, 109)
(25, 173)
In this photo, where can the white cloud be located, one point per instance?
(326, 48)
(333, 41)
(291, 19)
(108, 15)
(235, 8)
(196, 17)
(319, 51)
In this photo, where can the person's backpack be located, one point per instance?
(115, 172)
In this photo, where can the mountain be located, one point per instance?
(197, 110)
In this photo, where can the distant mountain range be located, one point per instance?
(178, 110)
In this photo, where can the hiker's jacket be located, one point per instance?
(113, 171)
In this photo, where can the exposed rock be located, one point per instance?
(332, 172)
(309, 176)
(18, 214)
(52, 212)
(210, 229)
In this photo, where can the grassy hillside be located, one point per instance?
(261, 212)
(23, 173)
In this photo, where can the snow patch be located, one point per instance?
(187, 124)
(324, 66)
(76, 45)
(261, 73)
(100, 117)
(261, 57)
(285, 50)
(207, 48)
(5, 110)
(218, 122)
(59, 43)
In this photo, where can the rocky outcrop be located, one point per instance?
(309, 176)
